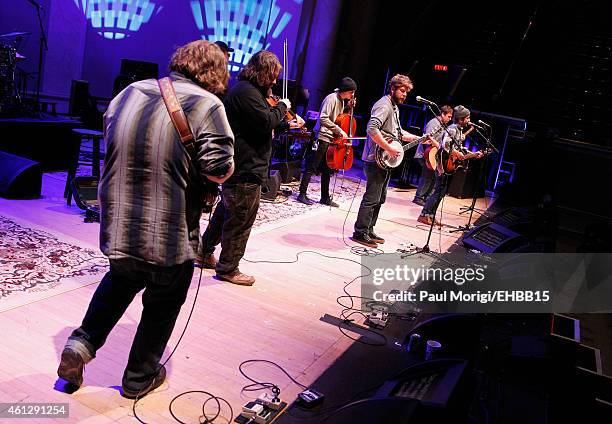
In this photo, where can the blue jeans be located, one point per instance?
(426, 183)
(431, 205)
(377, 180)
(165, 291)
(231, 224)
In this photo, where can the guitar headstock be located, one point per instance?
(434, 132)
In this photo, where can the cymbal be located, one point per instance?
(19, 56)
(14, 34)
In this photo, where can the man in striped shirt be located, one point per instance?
(150, 199)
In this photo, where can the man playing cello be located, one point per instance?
(332, 106)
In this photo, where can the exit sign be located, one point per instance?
(442, 68)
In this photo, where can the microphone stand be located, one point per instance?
(483, 168)
(42, 44)
(425, 248)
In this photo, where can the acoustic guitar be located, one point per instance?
(450, 162)
(430, 155)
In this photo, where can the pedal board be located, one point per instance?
(254, 412)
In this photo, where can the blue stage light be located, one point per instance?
(117, 19)
(242, 24)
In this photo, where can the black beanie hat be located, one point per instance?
(347, 84)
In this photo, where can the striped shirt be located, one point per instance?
(150, 189)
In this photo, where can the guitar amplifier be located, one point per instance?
(464, 181)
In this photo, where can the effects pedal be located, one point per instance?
(310, 398)
(378, 318)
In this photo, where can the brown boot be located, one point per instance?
(424, 219)
(205, 261)
(237, 277)
(71, 367)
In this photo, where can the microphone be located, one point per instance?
(481, 122)
(477, 126)
(427, 102)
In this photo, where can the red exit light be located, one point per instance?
(442, 68)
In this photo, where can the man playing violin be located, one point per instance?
(252, 120)
(332, 106)
(384, 122)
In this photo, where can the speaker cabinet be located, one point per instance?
(289, 171)
(464, 182)
(270, 187)
(20, 178)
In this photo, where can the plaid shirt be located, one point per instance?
(150, 189)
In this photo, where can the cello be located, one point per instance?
(340, 151)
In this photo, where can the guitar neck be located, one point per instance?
(470, 155)
(416, 142)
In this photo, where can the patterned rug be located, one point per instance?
(35, 264)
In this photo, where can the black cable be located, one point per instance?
(217, 399)
(362, 401)
(344, 289)
(257, 385)
(154, 375)
(440, 228)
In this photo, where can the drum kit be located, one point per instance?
(9, 57)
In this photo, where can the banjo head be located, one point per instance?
(387, 160)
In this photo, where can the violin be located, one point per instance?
(340, 152)
(273, 100)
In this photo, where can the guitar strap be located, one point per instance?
(177, 115)
(179, 120)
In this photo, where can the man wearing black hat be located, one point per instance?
(333, 105)
(224, 48)
(456, 136)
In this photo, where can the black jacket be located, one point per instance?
(252, 120)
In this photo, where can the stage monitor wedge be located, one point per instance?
(20, 178)
(493, 238)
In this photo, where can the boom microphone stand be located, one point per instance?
(426, 248)
(483, 168)
(42, 44)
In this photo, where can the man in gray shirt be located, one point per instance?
(384, 122)
(332, 106)
(453, 139)
(150, 199)
(426, 182)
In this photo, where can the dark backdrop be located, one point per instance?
(543, 61)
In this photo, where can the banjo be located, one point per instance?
(385, 161)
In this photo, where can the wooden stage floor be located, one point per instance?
(278, 319)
